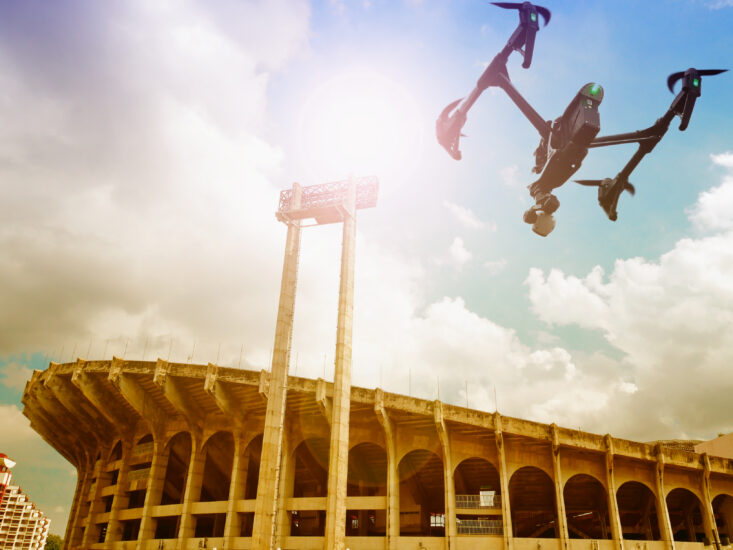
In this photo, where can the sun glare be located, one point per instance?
(360, 123)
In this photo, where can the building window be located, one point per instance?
(437, 520)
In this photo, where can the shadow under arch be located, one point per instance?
(217, 475)
(586, 508)
(310, 480)
(723, 512)
(532, 500)
(685, 515)
(422, 494)
(367, 477)
(477, 486)
(637, 510)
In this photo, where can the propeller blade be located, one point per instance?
(630, 188)
(589, 183)
(672, 80)
(508, 5)
(711, 72)
(446, 112)
(545, 13)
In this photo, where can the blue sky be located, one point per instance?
(143, 147)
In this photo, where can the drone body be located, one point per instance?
(564, 142)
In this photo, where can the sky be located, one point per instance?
(143, 146)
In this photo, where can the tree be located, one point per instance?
(54, 542)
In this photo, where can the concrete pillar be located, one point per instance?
(265, 508)
(451, 530)
(613, 514)
(506, 511)
(94, 507)
(665, 527)
(562, 518)
(79, 510)
(393, 480)
(154, 492)
(192, 492)
(287, 482)
(232, 527)
(708, 516)
(120, 500)
(338, 460)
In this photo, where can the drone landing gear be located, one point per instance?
(540, 216)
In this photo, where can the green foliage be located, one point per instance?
(54, 542)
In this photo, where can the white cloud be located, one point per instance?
(508, 175)
(14, 375)
(671, 318)
(714, 208)
(458, 253)
(494, 267)
(466, 217)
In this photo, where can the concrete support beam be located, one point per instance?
(451, 530)
(95, 505)
(154, 492)
(562, 518)
(285, 491)
(179, 398)
(393, 480)
(103, 400)
(708, 516)
(55, 433)
(72, 400)
(264, 386)
(338, 460)
(236, 490)
(322, 400)
(79, 509)
(506, 511)
(67, 414)
(613, 514)
(136, 396)
(665, 527)
(265, 510)
(120, 500)
(223, 397)
(192, 491)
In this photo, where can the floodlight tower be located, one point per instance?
(335, 202)
(5, 465)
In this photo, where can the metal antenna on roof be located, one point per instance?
(170, 348)
(241, 350)
(145, 348)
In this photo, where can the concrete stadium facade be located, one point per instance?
(168, 456)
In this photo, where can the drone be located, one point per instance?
(565, 142)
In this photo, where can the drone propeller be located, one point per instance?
(528, 27)
(597, 183)
(691, 88)
(609, 191)
(544, 12)
(674, 77)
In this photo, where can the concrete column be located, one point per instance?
(708, 516)
(393, 480)
(287, 482)
(94, 507)
(120, 500)
(665, 527)
(265, 508)
(154, 491)
(192, 492)
(451, 530)
(506, 511)
(72, 538)
(562, 518)
(232, 527)
(338, 460)
(613, 514)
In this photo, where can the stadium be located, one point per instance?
(168, 456)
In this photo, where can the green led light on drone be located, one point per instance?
(594, 89)
(696, 82)
(533, 16)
